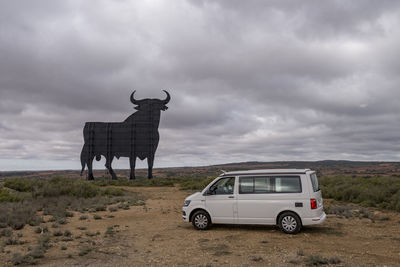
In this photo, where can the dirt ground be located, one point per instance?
(155, 235)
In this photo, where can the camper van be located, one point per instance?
(288, 198)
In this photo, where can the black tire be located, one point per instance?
(289, 223)
(201, 220)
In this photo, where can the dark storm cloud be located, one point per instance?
(249, 80)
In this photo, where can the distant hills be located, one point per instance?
(323, 167)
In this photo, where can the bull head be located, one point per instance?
(148, 103)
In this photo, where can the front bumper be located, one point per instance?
(315, 220)
(185, 214)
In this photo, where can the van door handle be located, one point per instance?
(231, 197)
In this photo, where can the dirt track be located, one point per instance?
(155, 235)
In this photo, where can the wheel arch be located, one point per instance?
(196, 210)
(291, 211)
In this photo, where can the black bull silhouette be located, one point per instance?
(137, 136)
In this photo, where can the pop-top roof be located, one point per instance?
(267, 171)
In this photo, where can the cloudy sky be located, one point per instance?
(249, 80)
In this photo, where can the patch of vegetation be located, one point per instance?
(58, 197)
(314, 260)
(44, 241)
(58, 233)
(109, 232)
(6, 195)
(195, 184)
(18, 259)
(256, 258)
(17, 214)
(13, 241)
(156, 182)
(34, 253)
(97, 217)
(353, 211)
(184, 182)
(113, 209)
(6, 232)
(41, 230)
(91, 234)
(62, 221)
(111, 191)
(53, 187)
(300, 253)
(377, 191)
(85, 251)
(83, 217)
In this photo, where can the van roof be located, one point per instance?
(267, 171)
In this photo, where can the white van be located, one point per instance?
(289, 198)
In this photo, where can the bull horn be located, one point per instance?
(167, 99)
(133, 100)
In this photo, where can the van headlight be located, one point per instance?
(186, 203)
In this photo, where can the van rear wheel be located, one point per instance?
(201, 220)
(289, 223)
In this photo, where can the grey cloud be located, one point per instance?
(254, 80)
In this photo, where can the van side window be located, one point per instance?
(223, 186)
(250, 185)
(278, 184)
(263, 185)
(246, 185)
(288, 184)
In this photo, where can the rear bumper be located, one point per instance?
(315, 220)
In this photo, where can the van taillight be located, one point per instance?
(313, 203)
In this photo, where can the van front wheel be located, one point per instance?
(289, 223)
(201, 220)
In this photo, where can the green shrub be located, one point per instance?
(314, 260)
(109, 232)
(113, 209)
(111, 191)
(6, 232)
(97, 217)
(19, 184)
(83, 217)
(54, 187)
(377, 191)
(67, 233)
(7, 196)
(18, 259)
(44, 241)
(85, 251)
(57, 233)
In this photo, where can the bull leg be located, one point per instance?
(110, 169)
(90, 168)
(150, 161)
(132, 163)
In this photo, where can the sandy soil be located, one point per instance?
(155, 235)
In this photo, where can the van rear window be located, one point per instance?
(314, 181)
(277, 184)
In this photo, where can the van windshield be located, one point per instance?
(314, 181)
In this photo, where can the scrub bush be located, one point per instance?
(378, 191)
